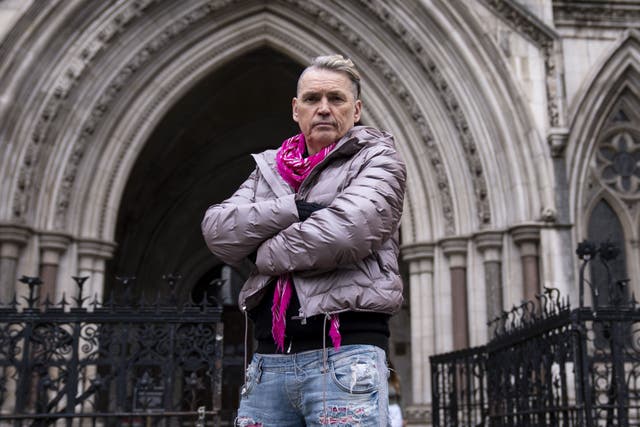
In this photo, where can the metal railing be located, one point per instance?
(117, 362)
(548, 364)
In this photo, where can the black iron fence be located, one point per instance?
(119, 362)
(548, 364)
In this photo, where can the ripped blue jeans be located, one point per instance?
(295, 390)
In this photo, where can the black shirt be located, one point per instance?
(300, 335)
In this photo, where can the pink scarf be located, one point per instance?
(294, 168)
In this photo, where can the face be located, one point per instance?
(325, 108)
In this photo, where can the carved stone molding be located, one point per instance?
(419, 257)
(15, 233)
(453, 108)
(51, 240)
(488, 240)
(95, 45)
(143, 56)
(12, 238)
(455, 249)
(52, 246)
(454, 246)
(317, 13)
(557, 139)
(489, 243)
(525, 232)
(527, 237)
(151, 106)
(95, 248)
(618, 14)
(417, 251)
(526, 24)
(58, 94)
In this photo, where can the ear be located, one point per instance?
(294, 109)
(358, 111)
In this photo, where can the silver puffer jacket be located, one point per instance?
(343, 257)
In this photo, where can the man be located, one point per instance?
(319, 218)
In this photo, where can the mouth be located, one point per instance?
(324, 124)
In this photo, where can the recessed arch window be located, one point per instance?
(604, 225)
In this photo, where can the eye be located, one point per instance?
(311, 98)
(336, 99)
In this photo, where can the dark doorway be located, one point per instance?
(198, 155)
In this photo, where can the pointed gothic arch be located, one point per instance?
(100, 78)
(99, 99)
(606, 111)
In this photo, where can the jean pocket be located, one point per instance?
(356, 374)
(250, 379)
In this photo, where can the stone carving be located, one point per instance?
(161, 94)
(69, 79)
(546, 40)
(454, 110)
(618, 163)
(548, 215)
(612, 14)
(143, 56)
(59, 93)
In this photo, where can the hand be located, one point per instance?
(305, 209)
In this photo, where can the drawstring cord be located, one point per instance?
(325, 362)
(246, 341)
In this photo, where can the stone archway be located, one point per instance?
(102, 78)
(198, 155)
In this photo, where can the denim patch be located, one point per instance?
(246, 422)
(345, 416)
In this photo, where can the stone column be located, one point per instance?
(455, 249)
(92, 255)
(489, 245)
(419, 257)
(52, 246)
(527, 238)
(12, 239)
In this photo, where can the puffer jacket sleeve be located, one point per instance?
(359, 220)
(236, 227)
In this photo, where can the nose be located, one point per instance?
(324, 106)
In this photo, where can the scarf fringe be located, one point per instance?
(334, 331)
(281, 299)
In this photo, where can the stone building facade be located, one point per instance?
(519, 121)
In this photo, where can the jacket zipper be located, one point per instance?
(316, 170)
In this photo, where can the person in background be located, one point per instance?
(318, 218)
(395, 399)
